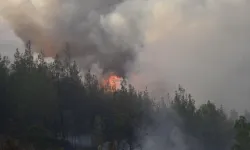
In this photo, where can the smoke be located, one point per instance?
(167, 133)
(201, 44)
(53, 24)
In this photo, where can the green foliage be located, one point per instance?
(243, 134)
(47, 103)
(207, 123)
(4, 77)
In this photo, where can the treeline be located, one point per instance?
(45, 105)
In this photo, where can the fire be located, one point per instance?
(112, 82)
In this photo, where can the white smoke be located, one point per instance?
(200, 44)
(167, 133)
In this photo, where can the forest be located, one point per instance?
(50, 105)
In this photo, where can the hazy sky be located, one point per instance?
(203, 45)
(8, 41)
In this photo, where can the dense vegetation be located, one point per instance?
(43, 105)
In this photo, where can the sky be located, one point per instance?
(203, 45)
(8, 41)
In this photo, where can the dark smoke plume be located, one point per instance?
(201, 44)
(53, 23)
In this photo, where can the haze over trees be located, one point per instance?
(46, 105)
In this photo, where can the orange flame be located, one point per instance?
(112, 83)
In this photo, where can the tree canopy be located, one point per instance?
(48, 104)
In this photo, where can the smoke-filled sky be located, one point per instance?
(203, 45)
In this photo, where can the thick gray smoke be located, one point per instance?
(201, 44)
(82, 25)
